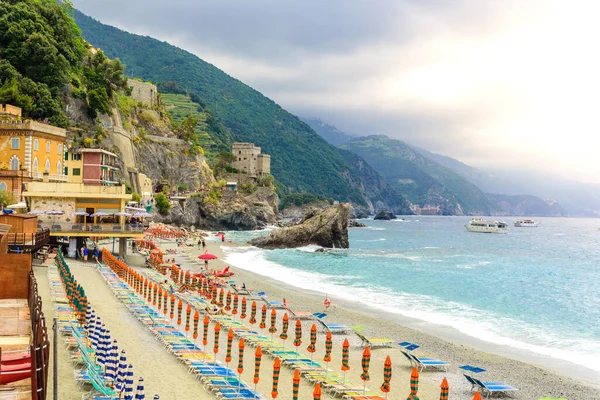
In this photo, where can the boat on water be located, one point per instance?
(526, 223)
(482, 226)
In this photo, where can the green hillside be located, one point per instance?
(300, 158)
(421, 180)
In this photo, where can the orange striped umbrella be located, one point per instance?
(317, 392)
(172, 313)
(165, 302)
(414, 384)
(243, 313)
(229, 344)
(365, 362)
(217, 331)
(263, 317)
(276, 370)
(257, 358)
(235, 304)
(188, 313)
(387, 375)
(477, 396)
(154, 293)
(296, 384)
(205, 333)
(345, 355)
(147, 289)
(221, 297)
(328, 347)
(160, 296)
(298, 340)
(253, 313)
(214, 294)
(445, 388)
(228, 301)
(187, 277)
(179, 311)
(240, 367)
(273, 328)
(313, 340)
(284, 328)
(196, 318)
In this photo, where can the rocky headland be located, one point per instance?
(385, 215)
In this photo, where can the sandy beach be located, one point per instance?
(167, 377)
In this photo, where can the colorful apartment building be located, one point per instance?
(92, 167)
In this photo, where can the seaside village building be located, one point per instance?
(250, 161)
(45, 176)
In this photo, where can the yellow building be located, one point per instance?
(28, 149)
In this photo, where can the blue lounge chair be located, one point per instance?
(492, 387)
(429, 362)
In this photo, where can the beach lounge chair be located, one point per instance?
(429, 362)
(492, 387)
(306, 314)
(374, 342)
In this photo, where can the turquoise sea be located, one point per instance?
(535, 289)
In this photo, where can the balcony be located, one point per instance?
(64, 189)
(28, 242)
(66, 229)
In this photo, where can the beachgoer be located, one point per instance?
(199, 243)
(206, 265)
(203, 244)
(96, 254)
(222, 238)
(244, 286)
(86, 252)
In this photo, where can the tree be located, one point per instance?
(224, 159)
(162, 203)
(6, 198)
(135, 196)
(187, 129)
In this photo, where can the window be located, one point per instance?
(76, 171)
(66, 155)
(15, 143)
(36, 145)
(15, 163)
(66, 172)
(3, 186)
(75, 157)
(59, 168)
(35, 165)
(48, 144)
(59, 149)
(47, 165)
(240, 159)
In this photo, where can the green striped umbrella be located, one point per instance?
(160, 297)
(345, 355)
(273, 328)
(179, 311)
(145, 289)
(188, 313)
(216, 344)
(445, 388)
(328, 347)
(196, 318)
(228, 301)
(214, 294)
(165, 302)
(276, 370)
(284, 328)
(257, 358)
(205, 332)
(365, 362)
(243, 313)
(414, 384)
(235, 304)
(221, 297)
(172, 312)
(240, 367)
(298, 340)
(296, 384)
(263, 317)
(387, 375)
(229, 345)
(313, 340)
(154, 294)
(317, 392)
(253, 313)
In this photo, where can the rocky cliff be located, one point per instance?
(327, 228)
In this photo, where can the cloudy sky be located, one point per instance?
(495, 83)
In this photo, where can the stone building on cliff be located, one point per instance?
(248, 159)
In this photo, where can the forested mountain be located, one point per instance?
(328, 132)
(300, 158)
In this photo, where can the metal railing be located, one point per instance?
(28, 242)
(93, 228)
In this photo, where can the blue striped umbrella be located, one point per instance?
(111, 362)
(122, 372)
(88, 317)
(129, 384)
(101, 349)
(97, 331)
(139, 392)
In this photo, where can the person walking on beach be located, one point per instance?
(203, 244)
(96, 254)
(85, 252)
(199, 243)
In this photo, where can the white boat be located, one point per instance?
(483, 226)
(526, 223)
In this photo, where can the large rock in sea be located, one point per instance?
(385, 215)
(326, 228)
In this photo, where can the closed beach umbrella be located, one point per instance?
(188, 312)
(328, 347)
(445, 388)
(365, 362)
(263, 317)
(160, 296)
(214, 294)
(129, 383)
(236, 299)
(205, 333)
(172, 312)
(345, 357)
(273, 328)
(217, 332)
(257, 358)
(101, 350)
(228, 301)
(179, 311)
(313, 340)
(122, 372)
(88, 317)
(196, 318)
(112, 362)
(139, 392)
(387, 375)
(154, 294)
(298, 340)
(296, 384)
(477, 396)
(414, 384)
(240, 367)
(276, 370)
(90, 322)
(165, 302)
(221, 297)
(317, 392)
(229, 345)
(284, 329)
(253, 313)
(243, 313)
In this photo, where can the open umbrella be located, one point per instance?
(387, 376)
(228, 301)
(284, 329)
(235, 304)
(139, 393)
(142, 214)
(313, 340)
(217, 332)
(36, 212)
(365, 362)
(317, 392)
(257, 358)
(276, 370)
(445, 388)
(345, 357)
(298, 339)
(123, 214)
(273, 327)
(207, 256)
(414, 384)
(296, 384)
(253, 313)
(243, 313)
(196, 318)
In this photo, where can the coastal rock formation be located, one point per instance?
(385, 215)
(355, 224)
(327, 228)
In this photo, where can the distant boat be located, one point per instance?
(526, 223)
(482, 226)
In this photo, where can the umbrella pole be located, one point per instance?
(327, 370)
(364, 387)
(344, 377)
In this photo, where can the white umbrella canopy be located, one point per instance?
(123, 214)
(36, 212)
(17, 206)
(80, 213)
(99, 214)
(54, 212)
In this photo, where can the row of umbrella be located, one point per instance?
(97, 214)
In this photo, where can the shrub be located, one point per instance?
(266, 181)
(148, 117)
(6, 198)
(247, 188)
(88, 142)
(135, 196)
(162, 203)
